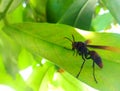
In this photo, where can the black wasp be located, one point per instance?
(81, 48)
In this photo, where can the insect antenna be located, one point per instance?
(73, 38)
(68, 39)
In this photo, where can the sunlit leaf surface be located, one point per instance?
(47, 40)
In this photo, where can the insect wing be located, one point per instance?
(87, 42)
(109, 48)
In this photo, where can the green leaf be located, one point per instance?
(20, 84)
(113, 6)
(14, 5)
(102, 22)
(5, 79)
(25, 59)
(10, 5)
(2, 68)
(39, 7)
(10, 51)
(3, 5)
(47, 40)
(41, 77)
(16, 16)
(56, 9)
(79, 14)
(29, 14)
(68, 83)
(4, 8)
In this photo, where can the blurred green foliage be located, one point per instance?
(32, 35)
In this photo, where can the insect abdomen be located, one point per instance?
(96, 58)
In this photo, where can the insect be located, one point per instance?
(81, 48)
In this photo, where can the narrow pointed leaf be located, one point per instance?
(41, 76)
(56, 9)
(79, 14)
(10, 51)
(47, 40)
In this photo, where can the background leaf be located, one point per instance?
(9, 56)
(8, 6)
(102, 22)
(56, 9)
(39, 9)
(14, 5)
(25, 59)
(113, 8)
(16, 15)
(44, 74)
(6, 79)
(79, 14)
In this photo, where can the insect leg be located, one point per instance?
(94, 72)
(74, 52)
(87, 56)
(81, 67)
(67, 48)
(73, 38)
